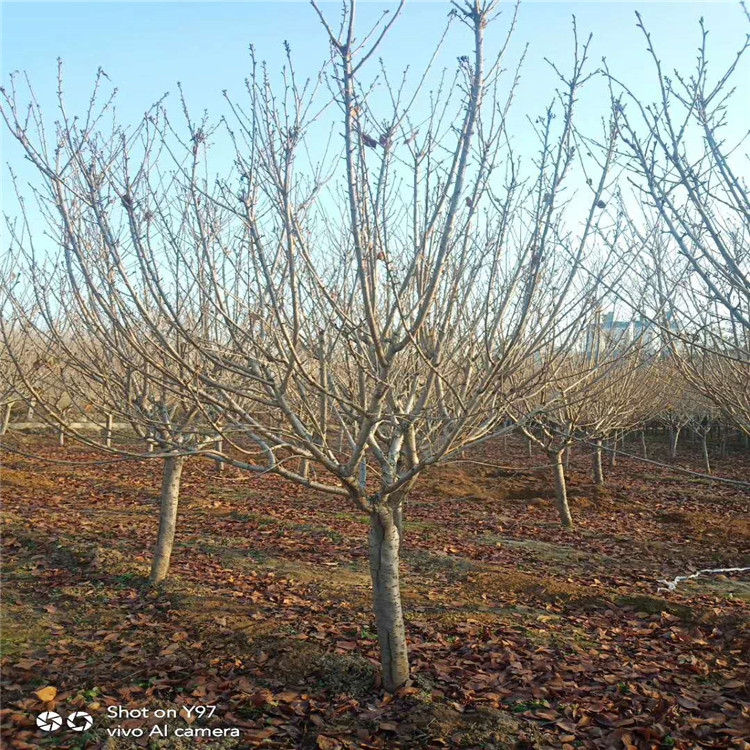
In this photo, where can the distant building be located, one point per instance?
(610, 337)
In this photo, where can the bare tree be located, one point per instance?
(692, 228)
(99, 350)
(346, 317)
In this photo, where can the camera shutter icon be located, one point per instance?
(80, 721)
(49, 721)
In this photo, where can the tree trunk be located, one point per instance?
(108, 432)
(643, 443)
(220, 448)
(398, 519)
(704, 445)
(386, 592)
(567, 458)
(598, 472)
(674, 436)
(170, 494)
(561, 492)
(613, 452)
(30, 410)
(6, 419)
(60, 436)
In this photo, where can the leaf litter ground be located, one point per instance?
(522, 635)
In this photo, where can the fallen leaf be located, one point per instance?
(46, 693)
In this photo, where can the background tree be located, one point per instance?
(98, 349)
(692, 230)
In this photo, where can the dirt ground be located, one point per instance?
(522, 634)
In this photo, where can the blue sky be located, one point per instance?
(147, 47)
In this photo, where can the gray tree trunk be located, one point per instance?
(561, 491)
(108, 432)
(60, 437)
(384, 548)
(613, 452)
(220, 449)
(6, 419)
(704, 446)
(674, 436)
(598, 472)
(643, 444)
(170, 494)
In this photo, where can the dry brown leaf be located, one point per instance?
(46, 693)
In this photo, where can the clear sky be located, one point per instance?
(146, 47)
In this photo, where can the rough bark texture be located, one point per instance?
(561, 491)
(598, 472)
(170, 493)
(384, 547)
(643, 444)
